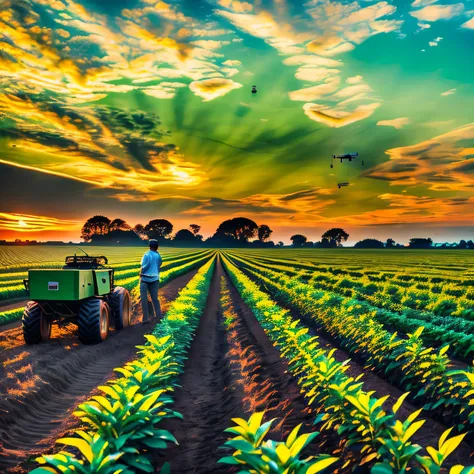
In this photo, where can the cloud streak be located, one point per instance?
(443, 163)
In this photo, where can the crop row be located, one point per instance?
(21, 258)
(129, 283)
(439, 329)
(407, 363)
(395, 291)
(122, 426)
(358, 417)
(422, 262)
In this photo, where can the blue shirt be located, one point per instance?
(151, 263)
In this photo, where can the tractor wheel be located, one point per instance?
(36, 325)
(93, 321)
(121, 307)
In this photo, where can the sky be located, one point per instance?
(143, 109)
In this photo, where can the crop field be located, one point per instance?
(266, 361)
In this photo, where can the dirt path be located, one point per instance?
(223, 373)
(40, 385)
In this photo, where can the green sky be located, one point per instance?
(143, 109)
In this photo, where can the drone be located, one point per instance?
(346, 156)
(254, 89)
(340, 185)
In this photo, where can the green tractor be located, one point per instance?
(83, 292)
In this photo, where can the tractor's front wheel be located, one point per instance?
(93, 321)
(121, 307)
(36, 325)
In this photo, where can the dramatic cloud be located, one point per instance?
(444, 163)
(210, 89)
(27, 223)
(105, 103)
(103, 147)
(338, 117)
(438, 12)
(415, 210)
(395, 123)
(301, 206)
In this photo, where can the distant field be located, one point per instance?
(454, 262)
(294, 333)
(22, 257)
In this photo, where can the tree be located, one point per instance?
(280, 244)
(220, 239)
(118, 224)
(158, 229)
(335, 235)
(264, 232)
(139, 229)
(194, 228)
(369, 244)
(462, 244)
(390, 243)
(420, 243)
(184, 235)
(240, 228)
(97, 225)
(298, 240)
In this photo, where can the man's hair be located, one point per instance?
(153, 244)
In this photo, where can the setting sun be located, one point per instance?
(22, 223)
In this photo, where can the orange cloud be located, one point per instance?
(443, 163)
(336, 117)
(29, 223)
(210, 89)
(397, 123)
(438, 12)
(301, 206)
(406, 209)
(96, 146)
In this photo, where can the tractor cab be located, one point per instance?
(85, 262)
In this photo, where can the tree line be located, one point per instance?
(232, 232)
(235, 232)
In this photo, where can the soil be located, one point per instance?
(40, 385)
(13, 303)
(229, 373)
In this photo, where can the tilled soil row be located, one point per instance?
(41, 385)
(427, 435)
(229, 373)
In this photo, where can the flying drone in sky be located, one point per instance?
(346, 156)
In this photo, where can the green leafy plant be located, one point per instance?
(259, 456)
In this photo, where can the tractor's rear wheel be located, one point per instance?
(93, 321)
(36, 325)
(121, 307)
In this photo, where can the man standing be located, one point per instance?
(150, 280)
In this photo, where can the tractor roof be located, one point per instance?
(85, 261)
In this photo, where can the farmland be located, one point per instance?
(361, 358)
